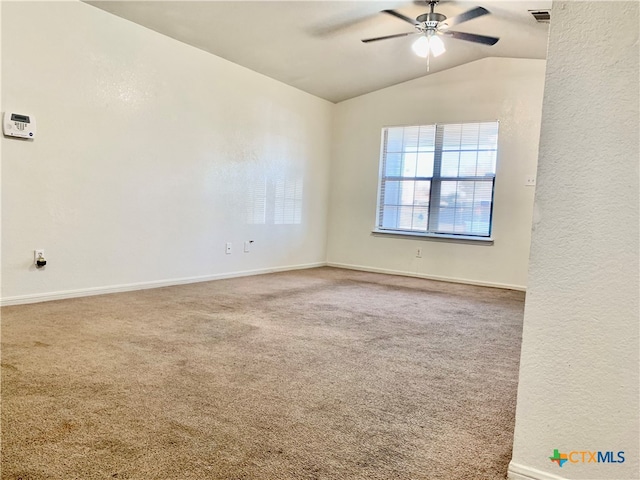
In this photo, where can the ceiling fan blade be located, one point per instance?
(472, 37)
(412, 21)
(466, 16)
(367, 40)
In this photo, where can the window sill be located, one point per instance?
(435, 236)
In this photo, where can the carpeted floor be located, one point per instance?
(311, 374)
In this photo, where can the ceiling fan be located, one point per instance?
(431, 25)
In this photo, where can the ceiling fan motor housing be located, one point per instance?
(431, 20)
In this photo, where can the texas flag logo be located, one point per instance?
(559, 458)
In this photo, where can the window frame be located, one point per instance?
(436, 175)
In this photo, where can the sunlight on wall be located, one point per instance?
(275, 202)
(288, 201)
(257, 203)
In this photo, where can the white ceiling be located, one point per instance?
(315, 45)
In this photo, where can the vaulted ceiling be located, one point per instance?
(316, 45)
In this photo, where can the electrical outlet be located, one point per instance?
(228, 248)
(530, 181)
(419, 253)
(37, 254)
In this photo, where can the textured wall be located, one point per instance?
(578, 385)
(508, 90)
(150, 155)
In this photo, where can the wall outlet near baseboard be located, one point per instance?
(38, 258)
(228, 248)
(419, 253)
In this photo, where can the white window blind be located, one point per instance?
(438, 179)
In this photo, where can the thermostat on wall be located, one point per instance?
(19, 125)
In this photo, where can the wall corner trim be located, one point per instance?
(128, 287)
(518, 471)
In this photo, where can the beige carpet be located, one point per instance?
(312, 374)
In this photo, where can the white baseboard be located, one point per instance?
(428, 277)
(87, 292)
(521, 472)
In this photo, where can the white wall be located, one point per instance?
(508, 90)
(148, 156)
(578, 386)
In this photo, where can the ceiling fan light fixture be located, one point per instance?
(421, 46)
(436, 45)
(424, 44)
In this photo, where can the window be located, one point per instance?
(438, 179)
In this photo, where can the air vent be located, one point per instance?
(541, 16)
